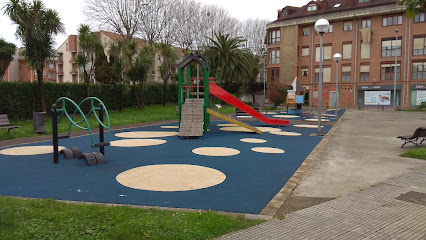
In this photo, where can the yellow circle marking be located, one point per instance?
(316, 120)
(306, 126)
(287, 133)
(137, 142)
(170, 127)
(29, 150)
(170, 177)
(146, 134)
(235, 129)
(216, 151)
(285, 116)
(253, 140)
(244, 116)
(268, 129)
(268, 150)
(227, 125)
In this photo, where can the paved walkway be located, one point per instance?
(378, 194)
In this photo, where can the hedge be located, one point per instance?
(20, 99)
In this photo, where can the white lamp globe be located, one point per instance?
(322, 25)
(337, 57)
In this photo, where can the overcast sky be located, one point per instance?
(71, 14)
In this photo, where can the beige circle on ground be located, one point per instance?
(235, 129)
(253, 140)
(268, 112)
(227, 125)
(306, 126)
(295, 134)
(331, 115)
(267, 150)
(268, 129)
(216, 151)
(244, 116)
(316, 120)
(146, 134)
(285, 116)
(170, 127)
(29, 150)
(170, 177)
(137, 142)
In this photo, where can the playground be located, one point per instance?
(220, 164)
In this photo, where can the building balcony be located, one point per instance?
(74, 72)
(59, 73)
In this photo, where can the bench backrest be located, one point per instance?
(420, 132)
(423, 132)
(4, 120)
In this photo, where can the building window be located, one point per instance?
(391, 47)
(284, 13)
(274, 74)
(326, 53)
(274, 56)
(392, 20)
(419, 70)
(305, 51)
(366, 23)
(305, 31)
(364, 1)
(347, 26)
(326, 74)
(346, 73)
(274, 37)
(419, 18)
(388, 71)
(312, 7)
(365, 50)
(347, 50)
(305, 71)
(364, 73)
(419, 45)
(329, 30)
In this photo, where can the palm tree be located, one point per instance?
(36, 27)
(7, 50)
(413, 7)
(230, 62)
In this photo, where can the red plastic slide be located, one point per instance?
(227, 97)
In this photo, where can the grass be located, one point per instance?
(125, 117)
(50, 219)
(419, 153)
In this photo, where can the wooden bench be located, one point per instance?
(419, 133)
(5, 124)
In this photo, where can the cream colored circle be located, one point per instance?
(227, 125)
(295, 134)
(330, 115)
(170, 177)
(269, 113)
(285, 116)
(170, 127)
(244, 117)
(137, 142)
(316, 120)
(268, 129)
(267, 150)
(29, 150)
(235, 129)
(216, 151)
(306, 126)
(146, 134)
(253, 140)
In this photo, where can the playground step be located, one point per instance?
(192, 118)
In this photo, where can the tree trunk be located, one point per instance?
(137, 94)
(164, 92)
(41, 89)
(142, 95)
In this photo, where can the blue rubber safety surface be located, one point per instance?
(252, 179)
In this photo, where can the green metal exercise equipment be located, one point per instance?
(90, 158)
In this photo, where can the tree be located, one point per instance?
(230, 63)
(36, 27)
(117, 67)
(121, 16)
(88, 42)
(7, 50)
(277, 92)
(138, 73)
(413, 6)
(168, 63)
(251, 85)
(103, 72)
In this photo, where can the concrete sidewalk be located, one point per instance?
(378, 193)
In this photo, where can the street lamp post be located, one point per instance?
(337, 57)
(394, 81)
(321, 26)
(264, 79)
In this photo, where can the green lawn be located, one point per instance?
(49, 219)
(125, 117)
(419, 153)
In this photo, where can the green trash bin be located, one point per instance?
(38, 122)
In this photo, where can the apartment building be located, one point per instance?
(368, 34)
